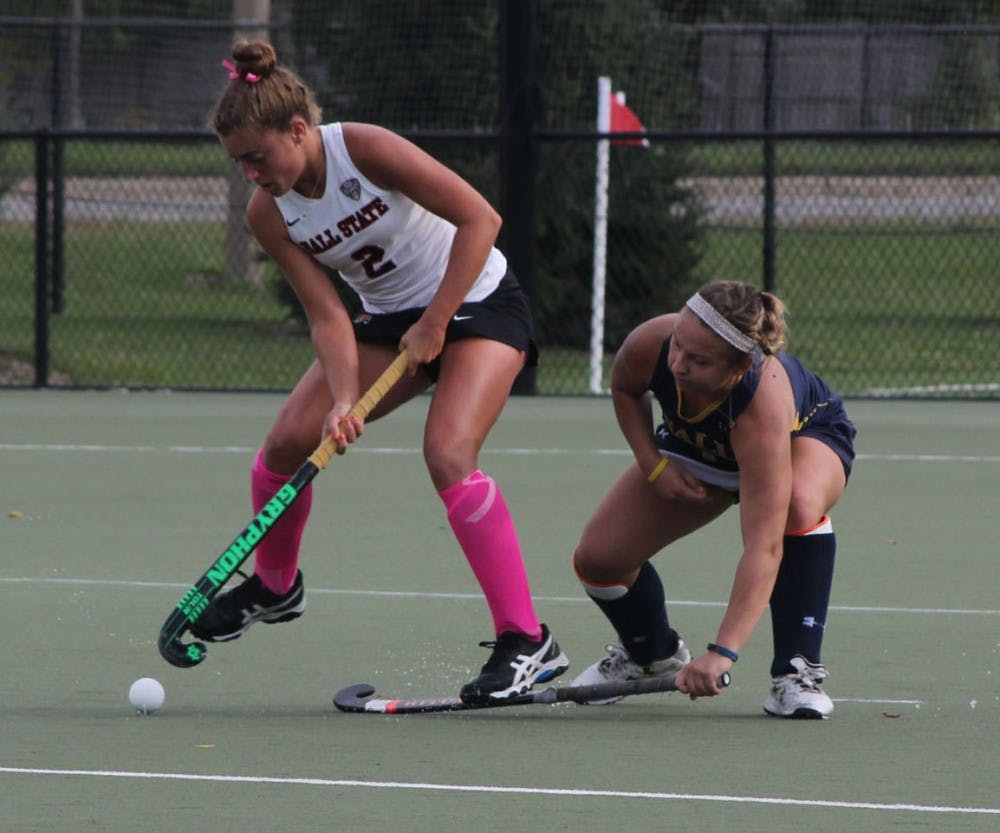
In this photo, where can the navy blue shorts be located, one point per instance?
(504, 315)
(834, 430)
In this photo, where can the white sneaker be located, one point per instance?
(618, 666)
(798, 695)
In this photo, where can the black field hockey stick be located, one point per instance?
(358, 698)
(185, 655)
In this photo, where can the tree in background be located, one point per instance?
(437, 67)
(654, 228)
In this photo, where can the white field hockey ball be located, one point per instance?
(146, 695)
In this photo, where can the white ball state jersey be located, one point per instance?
(392, 251)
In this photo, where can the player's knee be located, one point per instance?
(285, 451)
(805, 510)
(448, 461)
(593, 569)
(582, 565)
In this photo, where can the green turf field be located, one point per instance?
(112, 504)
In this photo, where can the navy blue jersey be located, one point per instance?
(702, 442)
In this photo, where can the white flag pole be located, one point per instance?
(600, 237)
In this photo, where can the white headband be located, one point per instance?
(720, 325)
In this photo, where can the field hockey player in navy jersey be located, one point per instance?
(741, 422)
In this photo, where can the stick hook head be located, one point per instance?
(181, 654)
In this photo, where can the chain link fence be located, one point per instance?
(794, 157)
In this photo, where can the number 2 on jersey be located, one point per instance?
(370, 258)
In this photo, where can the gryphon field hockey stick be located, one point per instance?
(358, 698)
(185, 655)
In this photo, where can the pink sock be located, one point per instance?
(277, 555)
(478, 515)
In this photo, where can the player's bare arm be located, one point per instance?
(391, 161)
(633, 403)
(329, 323)
(630, 374)
(760, 442)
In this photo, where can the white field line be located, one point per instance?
(984, 387)
(541, 452)
(418, 594)
(479, 788)
(877, 700)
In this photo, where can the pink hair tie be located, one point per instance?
(250, 77)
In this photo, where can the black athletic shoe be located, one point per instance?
(230, 614)
(515, 665)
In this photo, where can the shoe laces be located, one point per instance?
(246, 591)
(807, 676)
(619, 663)
(505, 648)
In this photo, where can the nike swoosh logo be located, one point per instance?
(461, 317)
(291, 223)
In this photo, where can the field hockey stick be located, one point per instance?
(358, 698)
(185, 655)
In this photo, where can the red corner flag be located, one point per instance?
(623, 120)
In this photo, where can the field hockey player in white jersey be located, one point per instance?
(416, 242)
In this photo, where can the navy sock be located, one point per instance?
(801, 598)
(639, 617)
